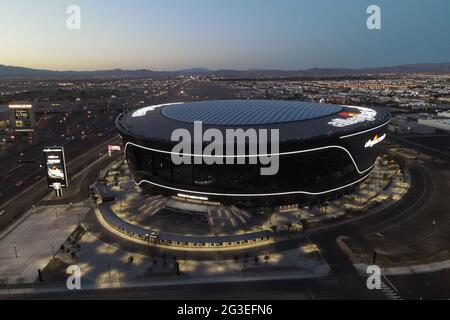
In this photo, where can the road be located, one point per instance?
(52, 132)
(255, 290)
(425, 286)
(21, 202)
(62, 129)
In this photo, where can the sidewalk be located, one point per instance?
(386, 185)
(319, 271)
(27, 246)
(408, 270)
(393, 271)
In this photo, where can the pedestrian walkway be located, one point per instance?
(328, 289)
(412, 269)
(31, 244)
(389, 292)
(227, 217)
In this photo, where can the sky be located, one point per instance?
(222, 34)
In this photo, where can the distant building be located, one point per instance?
(408, 123)
(442, 124)
(4, 117)
(445, 114)
(410, 127)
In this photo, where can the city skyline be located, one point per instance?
(174, 35)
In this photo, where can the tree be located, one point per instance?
(274, 228)
(325, 205)
(177, 267)
(289, 225)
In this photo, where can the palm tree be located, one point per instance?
(289, 225)
(274, 230)
(325, 205)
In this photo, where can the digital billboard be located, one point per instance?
(55, 166)
(22, 116)
(112, 148)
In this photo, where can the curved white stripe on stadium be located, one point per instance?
(250, 194)
(368, 130)
(253, 155)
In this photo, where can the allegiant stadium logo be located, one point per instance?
(376, 140)
(348, 118)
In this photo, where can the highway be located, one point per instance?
(254, 290)
(96, 126)
(79, 152)
(34, 192)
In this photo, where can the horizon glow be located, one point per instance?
(233, 34)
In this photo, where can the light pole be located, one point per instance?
(7, 282)
(109, 273)
(433, 223)
(380, 235)
(15, 250)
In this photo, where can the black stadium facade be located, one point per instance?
(324, 150)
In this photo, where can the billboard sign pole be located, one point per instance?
(55, 166)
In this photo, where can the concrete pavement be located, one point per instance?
(28, 247)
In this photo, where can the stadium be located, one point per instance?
(323, 151)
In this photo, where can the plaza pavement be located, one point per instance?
(33, 238)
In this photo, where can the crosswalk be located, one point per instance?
(388, 290)
(327, 288)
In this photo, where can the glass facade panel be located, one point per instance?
(314, 172)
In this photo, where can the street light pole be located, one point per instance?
(380, 235)
(382, 242)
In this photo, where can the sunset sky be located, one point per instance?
(238, 34)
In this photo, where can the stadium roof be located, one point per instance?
(248, 112)
(296, 121)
